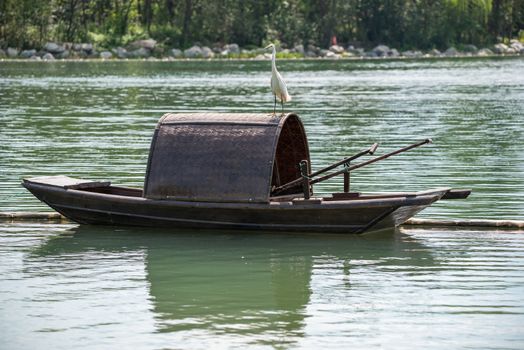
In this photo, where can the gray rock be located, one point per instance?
(324, 52)
(311, 54)
(140, 53)
(12, 52)
(81, 54)
(336, 49)
(232, 48)
(176, 53)
(146, 44)
(412, 54)
(28, 53)
(193, 52)
(518, 46)
(451, 52)
(50, 46)
(435, 52)
(63, 55)
(393, 53)
(35, 58)
(77, 47)
(120, 52)
(313, 48)
(371, 54)
(54, 48)
(105, 55)
(207, 52)
(500, 48)
(355, 51)
(333, 56)
(381, 50)
(87, 48)
(217, 48)
(470, 48)
(485, 52)
(48, 57)
(2, 53)
(158, 51)
(299, 49)
(511, 51)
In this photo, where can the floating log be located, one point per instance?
(28, 216)
(467, 223)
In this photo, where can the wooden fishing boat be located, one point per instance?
(235, 171)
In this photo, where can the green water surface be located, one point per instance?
(66, 286)
(95, 120)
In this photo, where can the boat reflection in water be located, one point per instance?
(256, 284)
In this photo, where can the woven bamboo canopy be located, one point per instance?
(217, 157)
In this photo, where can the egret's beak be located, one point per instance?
(269, 46)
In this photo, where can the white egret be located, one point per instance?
(278, 85)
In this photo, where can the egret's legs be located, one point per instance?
(282, 106)
(275, 105)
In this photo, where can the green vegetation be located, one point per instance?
(404, 24)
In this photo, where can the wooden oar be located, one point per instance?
(369, 150)
(349, 168)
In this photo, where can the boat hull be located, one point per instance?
(341, 216)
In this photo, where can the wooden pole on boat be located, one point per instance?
(371, 161)
(305, 178)
(346, 182)
(346, 161)
(350, 168)
(369, 150)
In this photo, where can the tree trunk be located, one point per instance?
(188, 11)
(495, 18)
(148, 15)
(170, 6)
(70, 31)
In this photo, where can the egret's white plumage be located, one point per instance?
(278, 85)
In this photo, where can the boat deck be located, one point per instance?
(105, 187)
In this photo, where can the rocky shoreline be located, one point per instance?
(150, 50)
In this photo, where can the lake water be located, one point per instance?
(66, 286)
(70, 287)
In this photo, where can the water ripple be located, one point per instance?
(95, 120)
